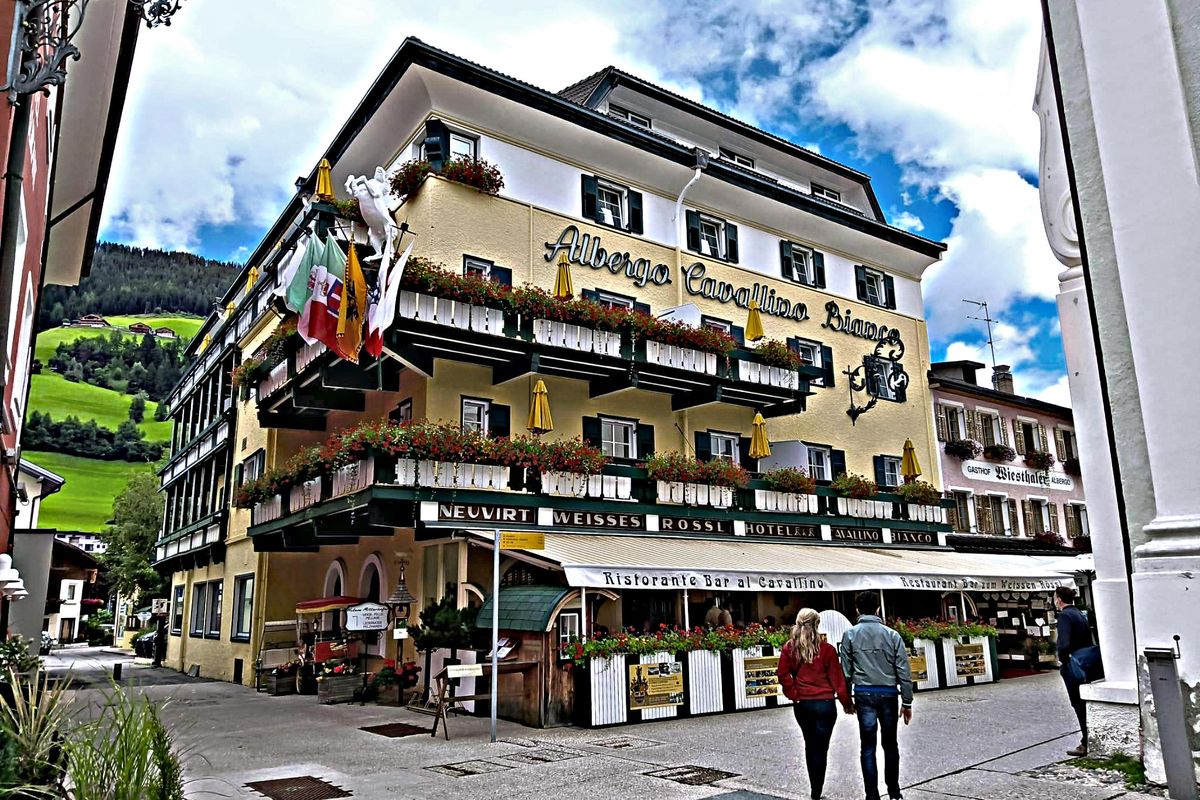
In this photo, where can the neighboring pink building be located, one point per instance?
(1003, 490)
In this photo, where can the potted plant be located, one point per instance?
(855, 491)
(963, 449)
(683, 480)
(1082, 543)
(923, 499)
(1071, 465)
(337, 681)
(1051, 538)
(788, 489)
(282, 679)
(999, 452)
(1039, 459)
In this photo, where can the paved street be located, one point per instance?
(973, 742)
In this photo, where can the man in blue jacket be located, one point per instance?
(1073, 634)
(875, 661)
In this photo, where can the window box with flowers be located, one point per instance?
(922, 501)
(774, 364)
(788, 490)
(1039, 459)
(963, 449)
(855, 500)
(929, 634)
(999, 452)
(282, 679)
(1071, 466)
(474, 172)
(683, 480)
(337, 682)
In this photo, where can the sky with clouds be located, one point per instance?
(931, 98)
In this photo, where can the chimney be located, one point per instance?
(1002, 379)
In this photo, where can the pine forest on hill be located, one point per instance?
(136, 280)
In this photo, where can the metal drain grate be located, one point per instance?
(691, 775)
(394, 730)
(625, 743)
(465, 768)
(301, 787)
(545, 755)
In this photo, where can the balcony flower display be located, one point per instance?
(684, 480)
(777, 354)
(1071, 465)
(856, 487)
(790, 480)
(250, 371)
(1039, 459)
(674, 640)
(935, 629)
(963, 449)
(473, 172)
(920, 493)
(999, 452)
(789, 489)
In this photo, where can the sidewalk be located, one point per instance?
(978, 743)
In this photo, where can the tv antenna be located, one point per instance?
(986, 318)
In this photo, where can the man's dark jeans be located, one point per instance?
(816, 718)
(1077, 703)
(876, 713)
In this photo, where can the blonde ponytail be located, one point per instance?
(805, 639)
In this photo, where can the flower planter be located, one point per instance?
(925, 649)
(694, 494)
(576, 337)
(789, 502)
(741, 698)
(337, 688)
(444, 311)
(281, 684)
(452, 475)
(963, 665)
(353, 477)
(267, 511)
(573, 484)
(274, 381)
(685, 358)
(608, 682)
(660, 712)
(306, 494)
(753, 372)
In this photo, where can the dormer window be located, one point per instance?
(736, 158)
(712, 236)
(824, 191)
(629, 116)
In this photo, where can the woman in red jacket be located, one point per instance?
(811, 676)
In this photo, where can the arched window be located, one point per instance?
(335, 585)
(370, 587)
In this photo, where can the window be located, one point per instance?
(875, 287)
(199, 608)
(1077, 521)
(71, 589)
(403, 412)
(736, 158)
(1065, 439)
(461, 146)
(890, 470)
(253, 466)
(618, 438)
(724, 326)
(724, 445)
(989, 514)
(629, 116)
(881, 380)
(216, 590)
(477, 267)
(613, 300)
(475, 415)
(610, 204)
(243, 604)
(177, 611)
(1027, 433)
(989, 428)
(801, 261)
(961, 512)
(955, 422)
(711, 236)
(819, 468)
(1036, 517)
(568, 629)
(829, 194)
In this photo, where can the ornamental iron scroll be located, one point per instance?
(44, 36)
(881, 375)
(156, 12)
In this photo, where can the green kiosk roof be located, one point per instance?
(524, 608)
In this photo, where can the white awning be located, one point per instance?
(644, 562)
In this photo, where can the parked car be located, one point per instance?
(143, 646)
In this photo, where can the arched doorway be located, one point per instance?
(371, 581)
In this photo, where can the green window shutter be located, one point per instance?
(501, 275)
(750, 464)
(645, 440)
(786, 266)
(827, 365)
(837, 460)
(499, 420)
(939, 417)
(731, 243)
(590, 204)
(889, 291)
(643, 308)
(437, 143)
(818, 269)
(860, 281)
(738, 332)
(591, 431)
(237, 475)
(635, 211)
(693, 230)
(880, 473)
(703, 446)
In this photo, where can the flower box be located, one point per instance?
(753, 372)
(576, 337)
(281, 684)
(353, 477)
(790, 502)
(864, 509)
(925, 649)
(685, 358)
(337, 688)
(451, 475)
(268, 510)
(305, 494)
(573, 484)
(608, 689)
(694, 494)
(705, 684)
(922, 513)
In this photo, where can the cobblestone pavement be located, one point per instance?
(981, 743)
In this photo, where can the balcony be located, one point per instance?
(377, 493)
(513, 346)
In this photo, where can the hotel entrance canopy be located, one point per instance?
(642, 562)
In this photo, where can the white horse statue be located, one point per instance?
(375, 203)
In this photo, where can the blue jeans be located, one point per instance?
(816, 719)
(879, 712)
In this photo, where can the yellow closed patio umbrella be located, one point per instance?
(754, 328)
(563, 288)
(540, 420)
(910, 468)
(324, 180)
(251, 279)
(759, 446)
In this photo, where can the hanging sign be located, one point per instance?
(520, 540)
(655, 685)
(367, 617)
(1019, 476)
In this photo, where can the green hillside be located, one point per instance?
(54, 395)
(85, 501)
(185, 327)
(48, 340)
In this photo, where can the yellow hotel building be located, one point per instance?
(658, 205)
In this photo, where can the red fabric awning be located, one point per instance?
(323, 604)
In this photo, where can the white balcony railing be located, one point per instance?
(268, 510)
(685, 358)
(753, 372)
(464, 316)
(576, 337)
(694, 494)
(305, 494)
(790, 502)
(353, 477)
(308, 354)
(274, 381)
(573, 484)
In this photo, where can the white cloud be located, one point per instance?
(1056, 392)
(908, 220)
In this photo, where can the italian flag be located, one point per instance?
(319, 318)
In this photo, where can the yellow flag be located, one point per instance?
(352, 312)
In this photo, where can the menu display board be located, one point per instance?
(918, 665)
(655, 685)
(969, 660)
(762, 679)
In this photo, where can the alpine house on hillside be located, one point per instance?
(611, 316)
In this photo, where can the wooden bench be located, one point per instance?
(437, 704)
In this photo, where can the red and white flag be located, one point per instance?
(319, 319)
(383, 299)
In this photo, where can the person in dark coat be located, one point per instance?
(1073, 634)
(811, 676)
